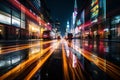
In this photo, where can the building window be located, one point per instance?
(15, 21)
(5, 18)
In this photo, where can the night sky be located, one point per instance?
(62, 10)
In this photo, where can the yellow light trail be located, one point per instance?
(21, 67)
(71, 69)
(65, 65)
(4, 51)
(108, 67)
(2, 47)
(76, 72)
(16, 45)
(41, 62)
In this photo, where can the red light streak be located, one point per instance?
(85, 25)
(21, 7)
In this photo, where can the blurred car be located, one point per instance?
(69, 36)
(58, 37)
(46, 34)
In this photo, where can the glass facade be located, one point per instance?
(115, 26)
(11, 16)
(5, 18)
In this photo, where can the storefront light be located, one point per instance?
(0, 30)
(117, 17)
(94, 21)
(106, 29)
(112, 28)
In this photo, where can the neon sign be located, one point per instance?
(94, 9)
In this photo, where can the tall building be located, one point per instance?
(21, 19)
(102, 20)
(74, 17)
(68, 27)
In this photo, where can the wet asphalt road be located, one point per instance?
(79, 66)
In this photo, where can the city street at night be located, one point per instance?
(60, 60)
(59, 39)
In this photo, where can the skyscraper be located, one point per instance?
(74, 17)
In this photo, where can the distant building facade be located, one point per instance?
(19, 20)
(102, 19)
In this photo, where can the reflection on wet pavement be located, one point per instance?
(61, 60)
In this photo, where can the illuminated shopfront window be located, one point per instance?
(22, 24)
(5, 18)
(15, 21)
(115, 26)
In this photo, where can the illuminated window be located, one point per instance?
(15, 21)
(5, 18)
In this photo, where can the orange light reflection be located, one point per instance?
(108, 67)
(65, 65)
(41, 62)
(76, 70)
(22, 47)
(21, 67)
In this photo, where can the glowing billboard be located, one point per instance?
(94, 10)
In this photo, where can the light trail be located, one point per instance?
(16, 45)
(21, 67)
(4, 51)
(75, 71)
(108, 67)
(41, 62)
(65, 65)
(71, 62)
(71, 69)
(5, 47)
